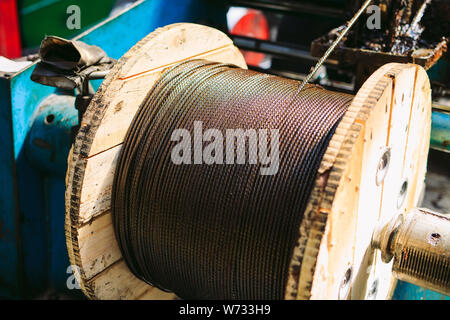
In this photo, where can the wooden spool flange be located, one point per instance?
(392, 110)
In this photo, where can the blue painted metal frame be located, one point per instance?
(10, 254)
(33, 254)
(408, 291)
(440, 135)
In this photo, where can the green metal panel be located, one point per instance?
(42, 17)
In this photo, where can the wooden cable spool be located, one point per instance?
(333, 257)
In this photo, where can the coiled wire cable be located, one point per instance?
(219, 231)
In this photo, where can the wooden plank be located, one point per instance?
(419, 133)
(155, 294)
(98, 246)
(97, 184)
(117, 283)
(397, 139)
(402, 83)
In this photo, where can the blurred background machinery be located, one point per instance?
(279, 37)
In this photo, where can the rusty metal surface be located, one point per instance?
(409, 34)
(219, 231)
(423, 57)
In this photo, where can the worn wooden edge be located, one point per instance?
(339, 182)
(110, 278)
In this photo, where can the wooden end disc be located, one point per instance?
(389, 119)
(92, 247)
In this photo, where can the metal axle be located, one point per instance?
(419, 243)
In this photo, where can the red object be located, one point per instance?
(253, 25)
(10, 46)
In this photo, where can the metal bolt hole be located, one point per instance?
(402, 194)
(383, 166)
(49, 119)
(434, 239)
